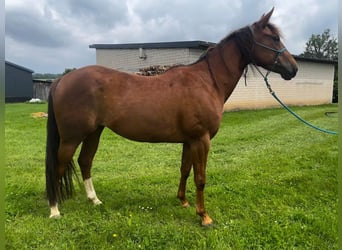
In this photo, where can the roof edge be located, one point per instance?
(157, 45)
(311, 59)
(19, 67)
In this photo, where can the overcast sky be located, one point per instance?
(48, 36)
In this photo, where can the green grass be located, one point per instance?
(271, 184)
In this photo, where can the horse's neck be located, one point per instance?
(226, 66)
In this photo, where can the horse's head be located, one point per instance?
(268, 50)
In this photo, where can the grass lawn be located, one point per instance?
(271, 184)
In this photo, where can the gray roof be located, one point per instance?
(159, 45)
(18, 66)
(318, 60)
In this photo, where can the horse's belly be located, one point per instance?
(147, 129)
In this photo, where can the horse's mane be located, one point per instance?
(244, 40)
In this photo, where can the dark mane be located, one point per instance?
(243, 38)
(202, 57)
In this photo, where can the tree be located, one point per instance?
(322, 46)
(67, 70)
(45, 76)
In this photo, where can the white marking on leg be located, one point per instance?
(54, 212)
(91, 194)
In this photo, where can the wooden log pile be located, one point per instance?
(153, 70)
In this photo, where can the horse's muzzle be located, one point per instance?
(288, 74)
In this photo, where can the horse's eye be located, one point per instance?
(276, 38)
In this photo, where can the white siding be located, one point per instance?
(312, 85)
(128, 59)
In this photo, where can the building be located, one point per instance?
(18, 83)
(313, 84)
(134, 56)
(41, 89)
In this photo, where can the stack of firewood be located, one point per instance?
(153, 70)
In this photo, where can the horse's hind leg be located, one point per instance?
(64, 171)
(85, 159)
(185, 171)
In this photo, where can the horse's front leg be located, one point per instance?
(185, 171)
(199, 156)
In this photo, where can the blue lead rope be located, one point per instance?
(278, 54)
(292, 112)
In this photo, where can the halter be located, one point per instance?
(278, 52)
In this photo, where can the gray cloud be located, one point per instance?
(30, 28)
(49, 35)
(102, 14)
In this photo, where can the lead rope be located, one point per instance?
(287, 108)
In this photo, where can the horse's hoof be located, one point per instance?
(207, 221)
(185, 204)
(55, 216)
(97, 203)
(210, 225)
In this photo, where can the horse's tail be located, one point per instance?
(57, 189)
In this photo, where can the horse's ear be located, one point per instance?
(265, 19)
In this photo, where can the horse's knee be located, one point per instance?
(200, 186)
(200, 183)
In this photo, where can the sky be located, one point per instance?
(48, 36)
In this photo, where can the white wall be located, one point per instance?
(312, 85)
(128, 59)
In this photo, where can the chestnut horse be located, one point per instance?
(183, 105)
